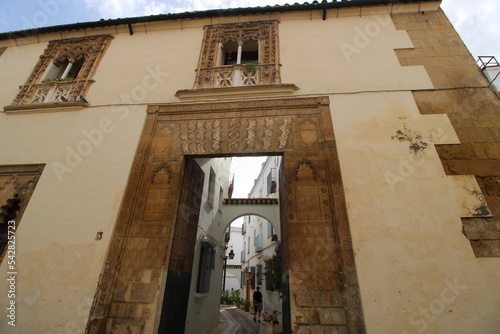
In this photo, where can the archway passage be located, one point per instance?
(321, 273)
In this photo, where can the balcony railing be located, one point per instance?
(54, 92)
(487, 61)
(50, 92)
(237, 76)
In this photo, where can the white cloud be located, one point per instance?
(477, 24)
(246, 170)
(129, 8)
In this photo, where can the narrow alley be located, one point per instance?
(235, 321)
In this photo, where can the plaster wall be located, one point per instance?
(414, 264)
(203, 311)
(346, 55)
(88, 157)
(233, 275)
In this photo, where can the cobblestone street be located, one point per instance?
(236, 321)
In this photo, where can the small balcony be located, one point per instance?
(51, 95)
(51, 92)
(237, 75)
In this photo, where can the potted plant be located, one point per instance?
(251, 67)
(58, 80)
(246, 303)
(276, 324)
(266, 316)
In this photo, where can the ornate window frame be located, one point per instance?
(17, 183)
(210, 74)
(43, 91)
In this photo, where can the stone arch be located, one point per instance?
(317, 258)
(268, 212)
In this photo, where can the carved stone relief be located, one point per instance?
(17, 183)
(319, 259)
(265, 32)
(90, 48)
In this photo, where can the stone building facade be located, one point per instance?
(388, 131)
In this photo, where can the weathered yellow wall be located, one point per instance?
(337, 55)
(88, 155)
(58, 258)
(404, 211)
(415, 266)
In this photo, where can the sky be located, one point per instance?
(246, 170)
(477, 22)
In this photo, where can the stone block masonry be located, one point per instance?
(462, 92)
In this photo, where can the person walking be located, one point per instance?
(257, 303)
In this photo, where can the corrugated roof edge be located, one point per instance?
(203, 14)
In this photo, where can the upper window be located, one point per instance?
(239, 54)
(271, 181)
(64, 71)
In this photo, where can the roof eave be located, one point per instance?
(315, 5)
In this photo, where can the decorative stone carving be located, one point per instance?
(89, 48)
(308, 133)
(305, 171)
(17, 183)
(163, 172)
(247, 134)
(316, 241)
(210, 74)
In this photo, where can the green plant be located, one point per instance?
(251, 67)
(57, 80)
(235, 295)
(274, 318)
(247, 304)
(273, 278)
(225, 298)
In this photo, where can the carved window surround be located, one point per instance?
(212, 72)
(63, 75)
(17, 183)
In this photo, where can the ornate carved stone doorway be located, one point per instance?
(318, 259)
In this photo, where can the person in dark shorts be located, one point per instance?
(257, 303)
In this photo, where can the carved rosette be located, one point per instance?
(265, 32)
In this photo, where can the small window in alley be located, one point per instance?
(207, 259)
(211, 188)
(252, 277)
(259, 275)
